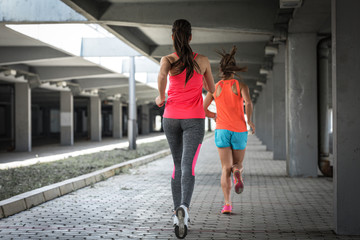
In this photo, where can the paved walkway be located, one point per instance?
(137, 205)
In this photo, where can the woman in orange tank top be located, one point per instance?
(231, 130)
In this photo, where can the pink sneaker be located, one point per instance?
(227, 208)
(238, 182)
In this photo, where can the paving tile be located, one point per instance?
(137, 204)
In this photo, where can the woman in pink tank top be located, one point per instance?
(184, 116)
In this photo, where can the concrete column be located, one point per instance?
(269, 113)
(145, 119)
(95, 119)
(22, 117)
(132, 123)
(66, 118)
(301, 105)
(260, 116)
(257, 116)
(346, 102)
(279, 140)
(117, 120)
(264, 116)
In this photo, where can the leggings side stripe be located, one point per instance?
(195, 159)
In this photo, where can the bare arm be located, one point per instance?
(207, 101)
(162, 80)
(248, 106)
(209, 79)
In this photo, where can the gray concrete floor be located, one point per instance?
(137, 205)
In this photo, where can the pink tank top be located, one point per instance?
(185, 101)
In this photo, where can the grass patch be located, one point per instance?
(19, 180)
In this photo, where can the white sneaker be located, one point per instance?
(175, 220)
(183, 219)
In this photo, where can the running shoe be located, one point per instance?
(183, 218)
(227, 208)
(238, 182)
(175, 220)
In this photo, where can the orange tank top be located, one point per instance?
(229, 107)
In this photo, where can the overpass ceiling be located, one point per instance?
(146, 26)
(52, 65)
(217, 24)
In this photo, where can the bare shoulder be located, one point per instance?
(243, 85)
(201, 58)
(169, 58)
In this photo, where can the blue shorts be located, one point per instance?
(235, 140)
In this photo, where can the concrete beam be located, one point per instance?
(133, 37)
(91, 83)
(18, 55)
(156, 13)
(69, 73)
(92, 10)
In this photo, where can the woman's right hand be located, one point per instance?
(252, 125)
(159, 102)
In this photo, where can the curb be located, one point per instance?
(38, 196)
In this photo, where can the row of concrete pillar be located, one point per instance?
(22, 108)
(286, 112)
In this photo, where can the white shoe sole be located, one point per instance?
(181, 229)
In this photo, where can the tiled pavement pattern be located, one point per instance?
(137, 205)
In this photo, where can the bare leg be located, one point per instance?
(237, 168)
(226, 166)
(238, 158)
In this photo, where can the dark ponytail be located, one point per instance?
(228, 64)
(181, 32)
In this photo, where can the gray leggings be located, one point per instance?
(184, 137)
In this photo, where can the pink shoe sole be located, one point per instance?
(239, 184)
